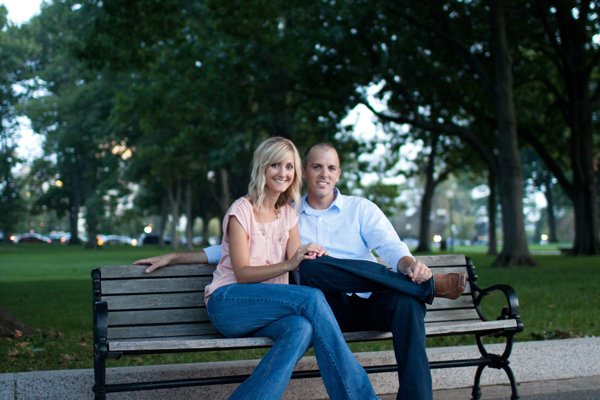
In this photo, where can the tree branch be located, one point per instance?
(463, 133)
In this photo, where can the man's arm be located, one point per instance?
(382, 237)
(210, 255)
(379, 235)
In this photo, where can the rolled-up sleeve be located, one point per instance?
(379, 234)
(213, 253)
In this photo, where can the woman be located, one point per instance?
(249, 294)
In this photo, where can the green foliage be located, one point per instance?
(189, 89)
(14, 49)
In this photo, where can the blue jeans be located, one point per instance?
(294, 317)
(396, 304)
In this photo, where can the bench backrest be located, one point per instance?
(169, 303)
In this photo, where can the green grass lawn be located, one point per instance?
(49, 288)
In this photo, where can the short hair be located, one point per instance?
(271, 151)
(321, 145)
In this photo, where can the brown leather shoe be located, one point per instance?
(450, 286)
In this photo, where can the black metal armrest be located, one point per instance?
(512, 309)
(101, 328)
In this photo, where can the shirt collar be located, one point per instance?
(338, 203)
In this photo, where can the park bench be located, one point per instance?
(162, 312)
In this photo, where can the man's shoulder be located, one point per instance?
(355, 201)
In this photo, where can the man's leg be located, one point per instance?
(341, 275)
(404, 316)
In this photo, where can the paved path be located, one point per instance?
(587, 388)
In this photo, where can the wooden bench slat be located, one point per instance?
(464, 301)
(189, 344)
(140, 332)
(199, 314)
(144, 317)
(456, 328)
(139, 271)
(451, 315)
(153, 301)
(159, 285)
(442, 260)
(241, 343)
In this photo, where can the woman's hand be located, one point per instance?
(306, 252)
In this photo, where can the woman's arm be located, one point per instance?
(240, 255)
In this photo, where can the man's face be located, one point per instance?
(321, 172)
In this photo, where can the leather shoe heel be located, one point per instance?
(450, 286)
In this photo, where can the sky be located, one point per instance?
(20, 11)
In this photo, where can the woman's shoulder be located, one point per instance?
(240, 203)
(289, 214)
(241, 208)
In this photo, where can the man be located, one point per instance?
(349, 228)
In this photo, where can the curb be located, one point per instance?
(531, 362)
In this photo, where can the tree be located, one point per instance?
(562, 66)
(206, 90)
(438, 73)
(74, 116)
(14, 48)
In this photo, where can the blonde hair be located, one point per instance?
(271, 151)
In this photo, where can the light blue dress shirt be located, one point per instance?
(350, 228)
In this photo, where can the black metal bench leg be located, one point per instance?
(99, 378)
(513, 382)
(476, 392)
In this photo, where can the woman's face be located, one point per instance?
(280, 175)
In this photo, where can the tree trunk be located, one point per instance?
(425, 220)
(92, 204)
(75, 203)
(492, 208)
(585, 201)
(426, 200)
(189, 229)
(205, 231)
(510, 175)
(11, 326)
(164, 212)
(174, 201)
(225, 199)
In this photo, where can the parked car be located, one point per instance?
(60, 237)
(32, 238)
(151, 238)
(114, 239)
(11, 238)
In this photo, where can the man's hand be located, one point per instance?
(415, 270)
(155, 262)
(188, 257)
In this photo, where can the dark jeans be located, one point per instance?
(396, 305)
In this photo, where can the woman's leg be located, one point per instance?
(292, 336)
(242, 309)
